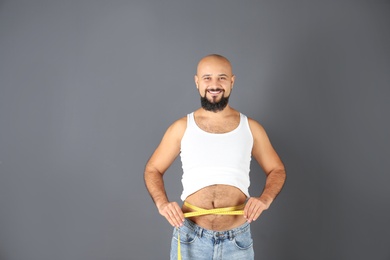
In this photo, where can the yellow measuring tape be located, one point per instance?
(236, 210)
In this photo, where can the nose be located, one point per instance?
(215, 83)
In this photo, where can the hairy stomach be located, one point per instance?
(217, 196)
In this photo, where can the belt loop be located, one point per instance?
(200, 232)
(230, 235)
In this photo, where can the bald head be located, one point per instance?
(214, 60)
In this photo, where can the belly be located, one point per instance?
(217, 196)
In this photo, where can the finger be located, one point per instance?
(251, 214)
(255, 208)
(169, 218)
(255, 214)
(174, 214)
(248, 209)
(178, 216)
(169, 213)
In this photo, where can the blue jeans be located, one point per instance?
(201, 244)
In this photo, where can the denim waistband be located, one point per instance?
(227, 234)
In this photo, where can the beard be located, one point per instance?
(214, 106)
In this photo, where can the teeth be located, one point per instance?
(214, 91)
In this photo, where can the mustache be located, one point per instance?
(214, 89)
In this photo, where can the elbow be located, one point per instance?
(151, 172)
(279, 172)
(282, 172)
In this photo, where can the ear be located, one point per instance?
(196, 81)
(232, 79)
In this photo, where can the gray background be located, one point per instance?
(87, 89)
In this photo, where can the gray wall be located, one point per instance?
(87, 88)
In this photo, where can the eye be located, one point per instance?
(222, 78)
(207, 78)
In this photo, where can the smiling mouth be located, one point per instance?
(215, 91)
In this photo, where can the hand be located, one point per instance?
(173, 213)
(253, 209)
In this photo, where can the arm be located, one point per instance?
(159, 162)
(273, 167)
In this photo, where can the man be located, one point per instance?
(216, 143)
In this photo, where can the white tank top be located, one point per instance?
(209, 158)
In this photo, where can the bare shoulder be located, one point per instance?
(169, 147)
(257, 129)
(177, 128)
